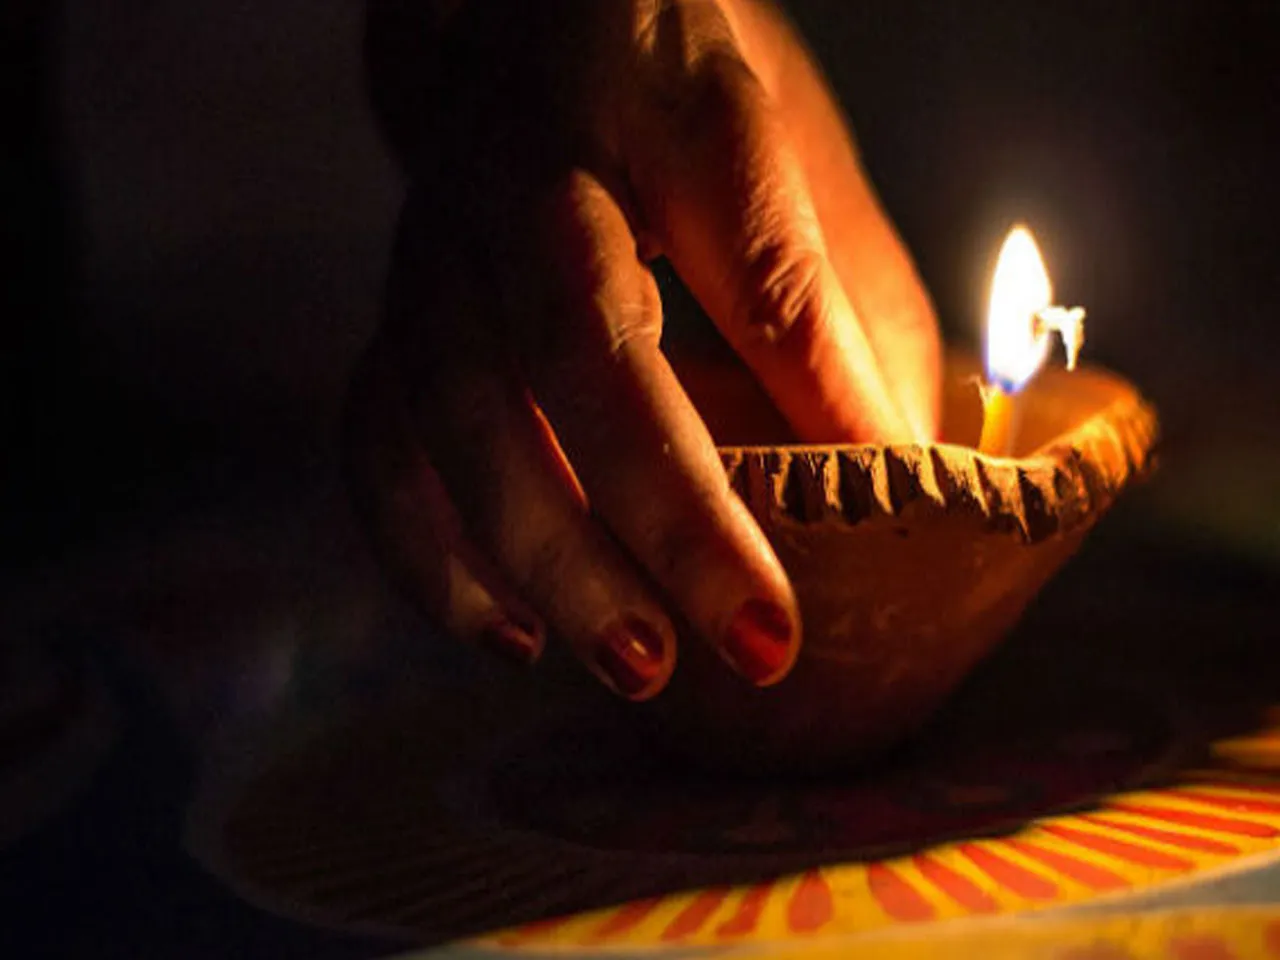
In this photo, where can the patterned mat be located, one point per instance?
(582, 839)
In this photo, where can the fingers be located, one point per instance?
(413, 526)
(863, 247)
(515, 494)
(719, 181)
(645, 460)
(880, 279)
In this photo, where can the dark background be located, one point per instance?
(199, 212)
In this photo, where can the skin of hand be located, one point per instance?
(518, 444)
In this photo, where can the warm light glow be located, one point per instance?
(1017, 340)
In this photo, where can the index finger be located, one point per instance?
(726, 194)
(874, 267)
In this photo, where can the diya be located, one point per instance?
(910, 562)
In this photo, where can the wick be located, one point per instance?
(1069, 322)
(986, 390)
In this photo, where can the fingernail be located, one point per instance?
(511, 640)
(758, 642)
(630, 654)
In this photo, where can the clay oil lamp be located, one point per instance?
(912, 562)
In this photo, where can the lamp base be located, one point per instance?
(910, 562)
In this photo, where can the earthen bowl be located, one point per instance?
(911, 562)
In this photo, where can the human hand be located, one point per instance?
(524, 455)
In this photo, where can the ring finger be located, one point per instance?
(516, 495)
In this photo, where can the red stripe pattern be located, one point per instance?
(1090, 874)
(747, 915)
(1225, 802)
(690, 920)
(625, 918)
(1121, 849)
(811, 906)
(1204, 821)
(1009, 875)
(1184, 840)
(896, 896)
(1271, 938)
(955, 885)
(1200, 948)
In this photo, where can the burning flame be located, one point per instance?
(1021, 317)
